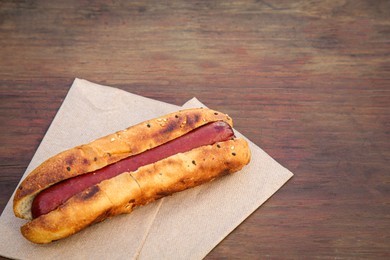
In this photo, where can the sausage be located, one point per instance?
(52, 197)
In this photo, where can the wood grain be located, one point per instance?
(307, 81)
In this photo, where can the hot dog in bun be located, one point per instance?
(114, 174)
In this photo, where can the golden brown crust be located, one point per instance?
(148, 183)
(109, 149)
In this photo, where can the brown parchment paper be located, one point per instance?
(186, 225)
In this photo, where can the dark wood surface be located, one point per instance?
(307, 81)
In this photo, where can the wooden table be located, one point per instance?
(307, 81)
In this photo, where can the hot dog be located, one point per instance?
(132, 167)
